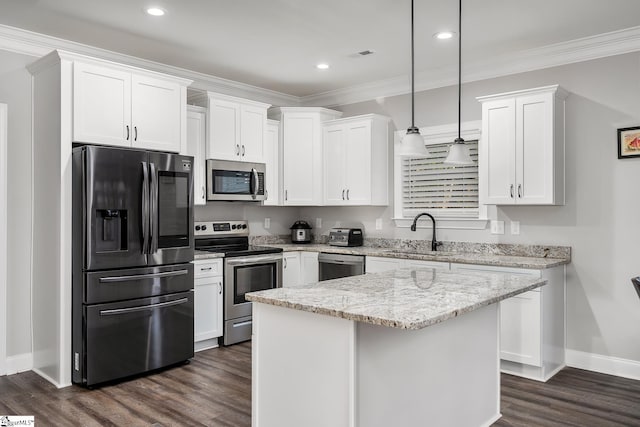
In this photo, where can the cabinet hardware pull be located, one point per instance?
(135, 133)
(203, 194)
(220, 287)
(286, 195)
(205, 268)
(342, 194)
(127, 132)
(285, 263)
(347, 194)
(237, 149)
(520, 191)
(266, 194)
(511, 190)
(243, 151)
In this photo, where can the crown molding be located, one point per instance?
(38, 45)
(573, 51)
(584, 49)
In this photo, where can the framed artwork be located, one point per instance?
(629, 142)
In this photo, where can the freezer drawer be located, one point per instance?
(132, 337)
(118, 285)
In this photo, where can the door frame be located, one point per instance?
(3, 239)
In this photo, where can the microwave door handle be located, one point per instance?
(144, 217)
(153, 228)
(255, 182)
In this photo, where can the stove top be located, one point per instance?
(228, 237)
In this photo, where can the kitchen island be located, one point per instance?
(411, 347)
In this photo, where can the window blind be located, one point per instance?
(427, 183)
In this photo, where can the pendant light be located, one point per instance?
(412, 144)
(459, 151)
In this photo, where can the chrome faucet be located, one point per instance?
(434, 241)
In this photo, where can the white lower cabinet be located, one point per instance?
(380, 264)
(532, 324)
(299, 268)
(208, 285)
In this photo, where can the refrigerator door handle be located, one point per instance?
(154, 209)
(112, 279)
(142, 307)
(144, 220)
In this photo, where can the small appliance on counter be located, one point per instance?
(300, 232)
(345, 237)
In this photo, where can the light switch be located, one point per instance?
(378, 223)
(318, 222)
(497, 227)
(267, 223)
(515, 227)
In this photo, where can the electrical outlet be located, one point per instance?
(378, 223)
(318, 223)
(515, 227)
(497, 227)
(267, 223)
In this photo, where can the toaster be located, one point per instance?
(345, 237)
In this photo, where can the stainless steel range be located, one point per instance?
(247, 269)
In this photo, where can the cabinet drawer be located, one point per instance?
(207, 268)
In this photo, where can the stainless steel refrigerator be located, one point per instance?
(132, 277)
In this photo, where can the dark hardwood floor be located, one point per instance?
(215, 390)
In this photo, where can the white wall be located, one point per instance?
(15, 91)
(603, 200)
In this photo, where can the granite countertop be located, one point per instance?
(533, 262)
(198, 255)
(404, 298)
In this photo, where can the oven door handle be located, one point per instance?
(254, 192)
(252, 260)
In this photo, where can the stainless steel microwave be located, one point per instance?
(235, 181)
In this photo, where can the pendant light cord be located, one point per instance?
(413, 125)
(459, 69)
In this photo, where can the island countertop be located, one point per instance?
(404, 298)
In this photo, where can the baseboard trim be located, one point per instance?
(51, 380)
(19, 363)
(603, 364)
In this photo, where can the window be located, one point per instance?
(449, 193)
(429, 184)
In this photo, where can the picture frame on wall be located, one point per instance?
(629, 142)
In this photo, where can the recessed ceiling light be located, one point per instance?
(322, 66)
(155, 11)
(443, 35)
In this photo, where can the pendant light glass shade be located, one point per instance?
(412, 144)
(459, 151)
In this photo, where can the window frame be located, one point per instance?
(460, 218)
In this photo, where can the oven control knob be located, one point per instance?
(244, 225)
(233, 227)
(197, 228)
(204, 227)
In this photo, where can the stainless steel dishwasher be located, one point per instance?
(334, 266)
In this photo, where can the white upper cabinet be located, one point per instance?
(272, 163)
(196, 134)
(114, 105)
(301, 153)
(237, 128)
(521, 159)
(356, 160)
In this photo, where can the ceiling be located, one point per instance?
(275, 44)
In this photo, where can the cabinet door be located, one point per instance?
(156, 111)
(253, 123)
(520, 329)
(290, 269)
(101, 105)
(272, 164)
(380, 264)
(334, 164)
(207, 308)
(418, 263)
(302, 169)
(224, 130)
(309, 269)
(497, 181)
(358, 163)
(534, 149)
(196, 131)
